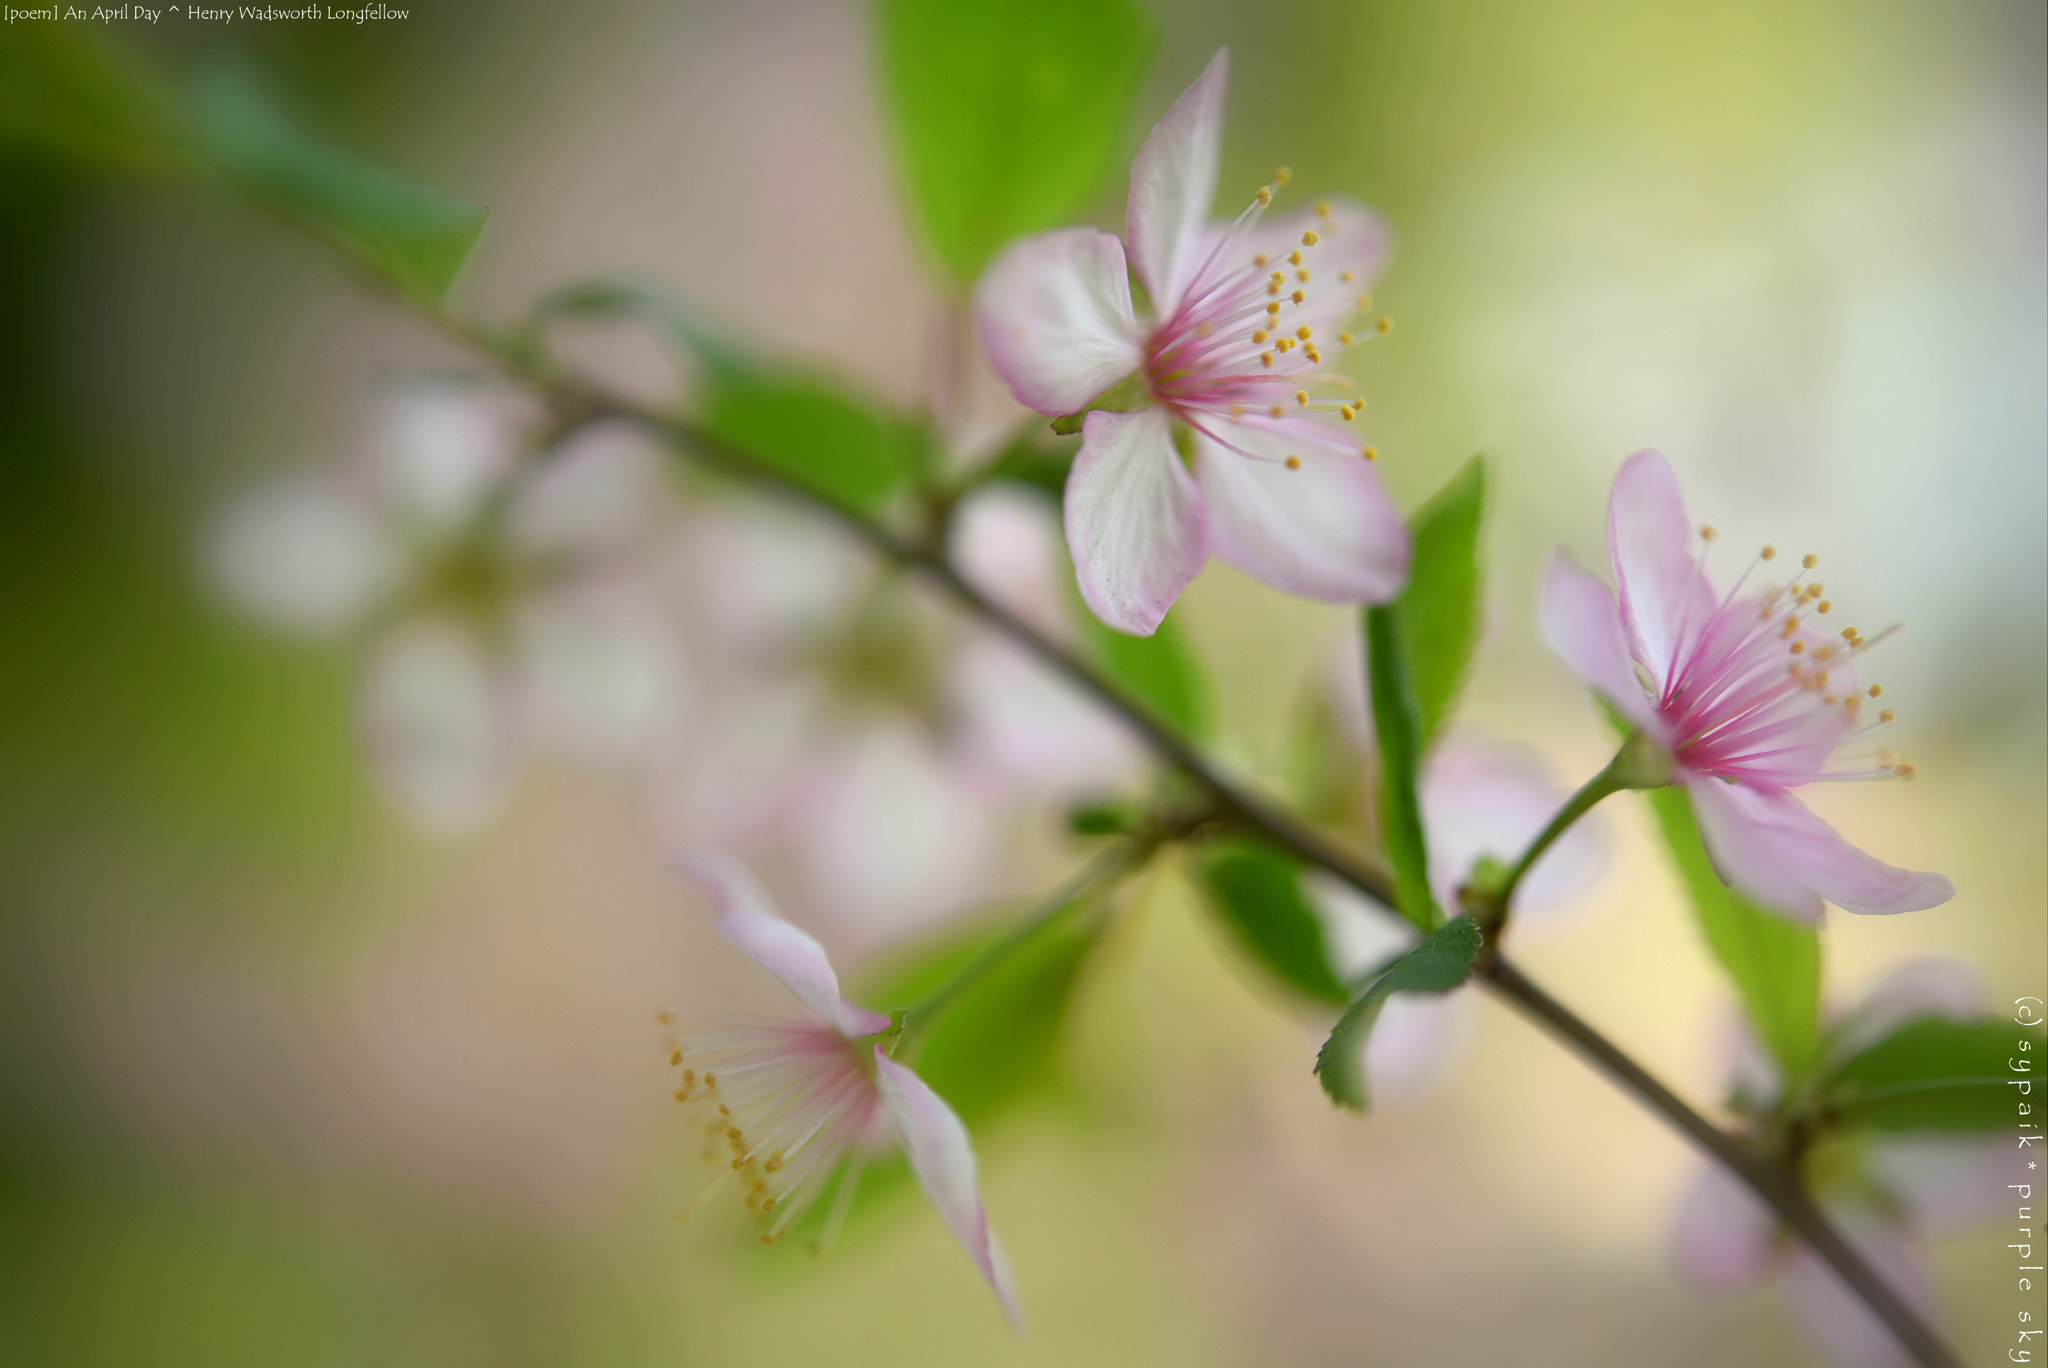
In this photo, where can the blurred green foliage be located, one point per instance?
(1936, 1075)
(1256, 893)
(1440, 963)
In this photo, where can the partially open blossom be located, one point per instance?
(498, 596)
(1888, 1192)
(787, 1105)
(1748, 693)
(1243, 317)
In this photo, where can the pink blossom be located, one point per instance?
(1232, 352)
(1747, 694)
(786, 1104)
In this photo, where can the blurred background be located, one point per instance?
(288, 1080)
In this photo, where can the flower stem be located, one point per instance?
(1777, 1186)
(1497, 902)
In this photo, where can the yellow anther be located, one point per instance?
(1769, 553)
(1301, 398)
(767, 1237)
(1259, 337)
(1261, 259)
(1849, 634)
(1282, 175)
(1364, 302)
(1905, 770)
(1302, 275)
(711, 1080)
(1810, 561)
(724, 1110)
(1298, 296)
(682, 1094)
(1877, 691)
(1294, 257)
(1371, 453)
(1798, 647)
(1273, 309)
(1283, 345)
(1384, 326)
(1348, 412)
(1887, 716)
(1265, 198)
(1706, 532)
(1304, 332)
(1825, 605)
(1310, 238)
(1278, 410)
(665, 1018)
(1266, 360)
(1345, 339)
(675, 1057)
(1273, 286)
(1309, 350)
(1322, 208)
(1237, 410)
(1346, 276)
(1294, 462)
(1829, 700)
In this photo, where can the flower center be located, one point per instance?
(1247, 339)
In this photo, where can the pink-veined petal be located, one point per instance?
(747, 918)
(943, 1158)
(1743, 854)
(1584, 628)
(1136, 522)
(1768, 838)
(1725, 1237)
(1173, 181)
(1665, 600)
(1350, 238)
(1323, 528)
(1056, 320)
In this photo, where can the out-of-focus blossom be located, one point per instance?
(1750, 698)
(500, 596)
(1479, 798)
(786, 1104)
(1233, 352)
(1887, 1193)
(882, 739)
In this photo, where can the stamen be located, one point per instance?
(1310, 238)
(1384, 326)
(1345, 339)
(1769, 553)
(1371, 453)
(1810, 561)
(1282, 175)
(1294, 462)
(1301, 398)
(1299, 295)
(1707, 532)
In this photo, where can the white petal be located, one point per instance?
(305, 554)
(1029, 727)
(942, 1156)
(1173, 181)
(1055, 318)
(1485, 798)
(894, 835)
(591, 494)
(1665, 600)
(440, 726)
(1005, 540)
(747, 917)
(601, 671)
(768, 580)
(1725, 1237)
(1322, 528)
(437, 450)
(1136, 522)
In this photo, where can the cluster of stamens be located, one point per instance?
(783, 1105)
(1243, 342)
(1738, 717)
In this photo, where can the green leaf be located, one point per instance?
(1007, 112)
(73, 92)
(1773, 961)
(1256, 892)
(1934, 1074)
(626, 295)
(1395, 720)
(1440, 608)
(1159, 671)
(815, 433)
(416, 238)
(1440, 963)
(1025, 462)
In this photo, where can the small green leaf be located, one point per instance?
(414, 237)
(1773, 961)
(815, 433)
(1159, 671)
(1256, 892)
(73, 92)
(1440, 963)
(1007, 112)
(1394, 716)
(1934, 1074)
(1025, 462)
(1440, 608)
